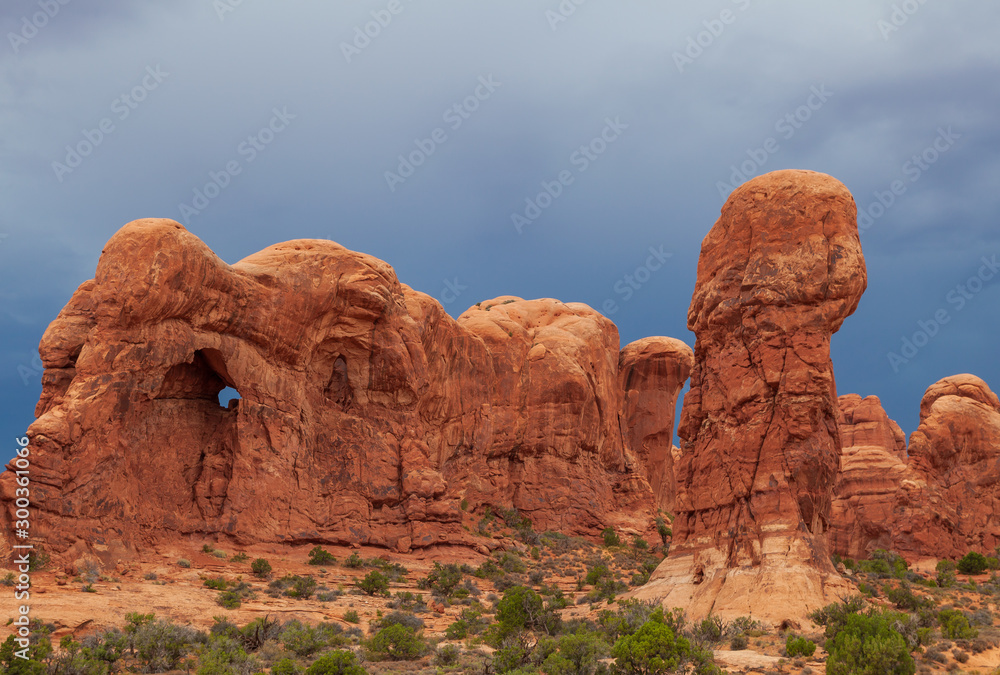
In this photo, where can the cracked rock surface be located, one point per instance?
(366, 414)
(779, 272)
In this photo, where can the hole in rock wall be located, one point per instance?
(229, 397)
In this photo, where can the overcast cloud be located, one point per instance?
(180, 89)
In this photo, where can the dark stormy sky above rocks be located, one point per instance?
(577, 150)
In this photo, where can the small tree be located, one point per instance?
(610, 537)
(260, 568)
(654, 648)
(972, 563)
(395, 642)
(320, 556)
(868, 645)
(374, 583)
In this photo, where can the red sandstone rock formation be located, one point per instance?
(651, 373)
(367, 414)
(779, 272)
(951, 502)
(872, 466)
(944, 500)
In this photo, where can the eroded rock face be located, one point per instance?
(943, 500)
(950, 503)
(367, 414)
(872, 467)
(779, 272)
(651, 374)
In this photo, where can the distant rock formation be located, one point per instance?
(779, 272)
(943, 500)
(872, 466)
(651, 373)
(366, 413)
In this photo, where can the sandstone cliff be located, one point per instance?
(366, 413)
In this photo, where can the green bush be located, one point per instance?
(799, 646)
(578, 652)
(336, 663)
(354, 562)
(442, 579)
(320, 556)
(521, 608)
(351, 616)
(33, 665)
(260, 568)
(216, 583)
(285, 666)
(374, 583)
(654, 648)
(610, 537)
(395, 643)
(447, 655)
(868, 645)
(955, 625)
(972, 563)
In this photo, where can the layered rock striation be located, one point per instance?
(779, 272)
(366, 414)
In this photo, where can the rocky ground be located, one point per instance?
(171, 584)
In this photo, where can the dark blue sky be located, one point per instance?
(637, 115)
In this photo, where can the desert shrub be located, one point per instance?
(834, 616)
(663, 530)
(708, 631)
(521, 608)
(972, 563)
(239, 557)
(295, 586)
(34, 664)
(260, 568)
(799, 646)
(216, 583)
(320, 556)
(955, 625)
(395, 642)
(610, 537)
(225, 656)
(578, 652)
(447, 655)
(866, 644)
(511, 563)
(630, 616)
(159, 645)
(904, 598)
(442, 579)
(404, 619)
(303, 640)
(354, 562)
(656, 648)
(607, 589)
(340, 662)
(184, 562)
(408, 601)
(285, 666)
(738, 642)
(374, 583)
(351, 616)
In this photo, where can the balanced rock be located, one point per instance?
(365, 415)
(779, 272)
